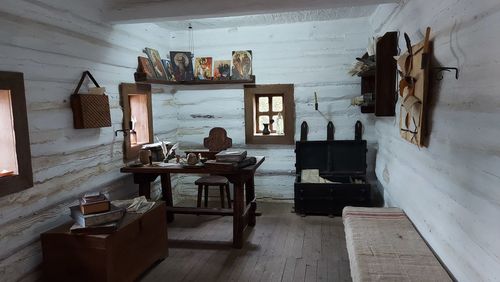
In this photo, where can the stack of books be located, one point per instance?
(95, 215)
(230, 156)
(229, 160)
(94, 203)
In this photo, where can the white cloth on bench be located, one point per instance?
(383, 245)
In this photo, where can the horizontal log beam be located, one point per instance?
(134, 11)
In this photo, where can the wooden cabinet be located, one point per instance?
(139, 242)
(382, 82)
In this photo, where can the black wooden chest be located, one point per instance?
(342, 162)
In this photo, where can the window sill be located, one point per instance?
(272, 134)
(270, 139)
(14, 183)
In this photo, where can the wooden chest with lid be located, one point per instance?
(139, 242)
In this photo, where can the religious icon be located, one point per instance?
(182, 65)
(222, 69)
(242, 65)
(155, 59)
(169, 70)
(203, 68)
(146, 67)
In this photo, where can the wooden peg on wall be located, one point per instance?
(304, 128)
(358, 131)
(330, 134)
(315, 101)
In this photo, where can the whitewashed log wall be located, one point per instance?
(52, 43)
(450, 190)
(314, 56)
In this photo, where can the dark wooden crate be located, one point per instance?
(139, 242)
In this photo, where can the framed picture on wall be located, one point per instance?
(222, 69)
(169, 71)
(242, 65)
(155, 59)
(146, 67)
(203, 68)
(182, 65)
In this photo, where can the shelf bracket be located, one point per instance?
(439, 73)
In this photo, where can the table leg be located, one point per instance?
(144, 181)
(145, 189)
(238, 207)
(250, 199)
(166, 191)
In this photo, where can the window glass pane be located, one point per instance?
(278, 125)
(263, 104)
(262, 120)
(140, 118)
(277, 104)
(8, 156)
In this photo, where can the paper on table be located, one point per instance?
(135, 205)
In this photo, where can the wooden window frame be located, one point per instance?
(130, 152)
(14, 82)
(251, 113)
(269, 113)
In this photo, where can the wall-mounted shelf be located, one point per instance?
(141, 78)
(381, 81)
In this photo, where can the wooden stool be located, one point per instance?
(213, 180)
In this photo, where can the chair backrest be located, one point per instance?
(217, 140)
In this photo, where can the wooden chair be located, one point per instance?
(213, 180)
(216, 141)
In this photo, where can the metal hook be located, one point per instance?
(439, 74)
(122, 130)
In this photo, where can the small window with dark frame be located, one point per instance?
(15, 155)
(8, 154)
(137, 118)
(269, 111)
(269, 114)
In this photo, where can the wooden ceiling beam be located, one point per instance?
(137, 11)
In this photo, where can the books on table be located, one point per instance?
(85, 220)
(94, 203)
(106, 228)
(230, 156)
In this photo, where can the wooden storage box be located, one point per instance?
(139, 242)
(341, 161)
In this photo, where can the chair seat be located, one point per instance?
(212, 180)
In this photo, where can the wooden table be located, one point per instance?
(244, 205)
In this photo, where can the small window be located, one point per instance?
(269, 114)
(8, 159)
(137, 118)
(15, 155)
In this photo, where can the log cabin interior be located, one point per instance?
(257, 140)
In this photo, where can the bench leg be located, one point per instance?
(200, 190)
(206, 196)
(228, 195)
(221, 189)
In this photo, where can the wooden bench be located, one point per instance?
(383, 245)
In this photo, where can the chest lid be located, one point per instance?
(339, 157)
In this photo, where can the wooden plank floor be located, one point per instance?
(281, 247)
